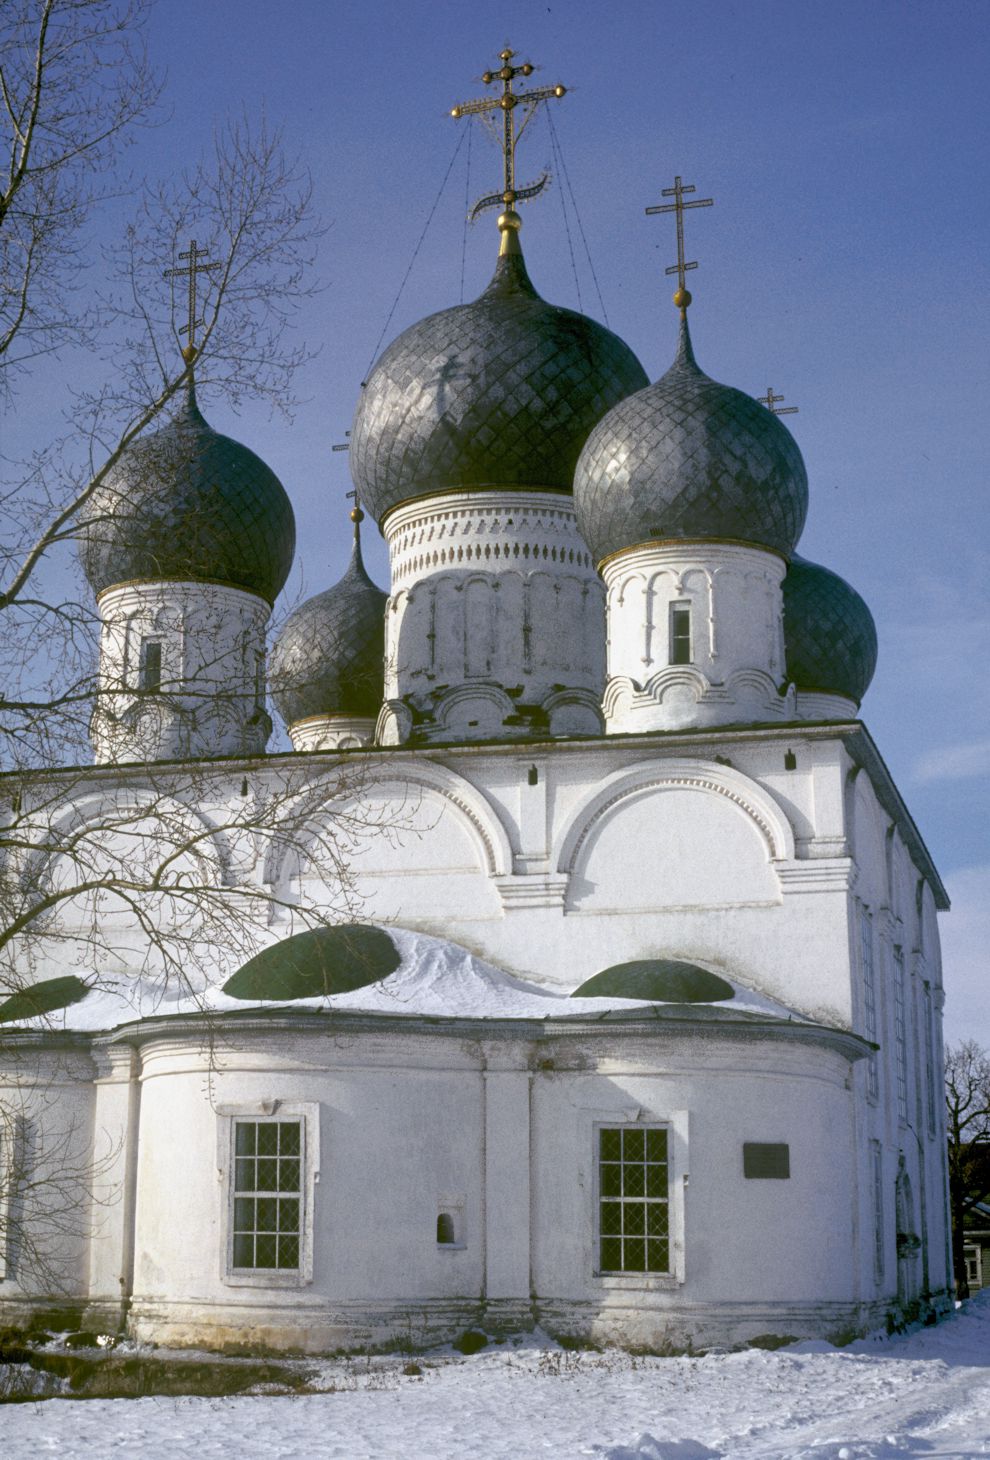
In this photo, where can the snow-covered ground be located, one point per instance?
(927, 1393)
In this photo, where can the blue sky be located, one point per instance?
(844, 263)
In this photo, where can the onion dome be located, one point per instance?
(329, 658)
(186, 503)
(500, 393)
(830, 638)
(689, 458)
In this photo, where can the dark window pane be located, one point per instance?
(611, 1218)
(611, 1145)
(245, 1138)
(632, 1181)
(656, 1145)
(634, 1255)
(243, 1250)
(611, 1255)
(289, 1143)
(658, 1259)
(244, 1174)
(288, 1215)
(288, 1252)
(266, 1254)
(656, 1181)
(288, 1175)
(445, 1228)
(267, 1138)
(633, 1145)
(267, 1174)
(656, 1219)
(267, 1212)
(611, 1180)
(634, 1224)
(243, 1214)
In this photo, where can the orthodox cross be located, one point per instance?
(195, 266)
(770, 401)
(678, 207)
(510, 132)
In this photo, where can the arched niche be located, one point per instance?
(683, 834)
(417, 843)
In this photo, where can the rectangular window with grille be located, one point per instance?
(267, 1194)
(633, 1199)
(680, 633)
(869, 996)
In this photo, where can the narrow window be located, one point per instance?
(634, 1200)
(150, 665)
(929, 1017)
(259, 680)
(869, 996)
(267, 1193)
(680, 633)
(878, 1244)
(900, 1036)
(446, 1234)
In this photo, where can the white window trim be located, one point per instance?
(308, 1114)
(676, 1124)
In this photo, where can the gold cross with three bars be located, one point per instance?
(507, 103)
(678, 206)
(194, 267)
(770, 401)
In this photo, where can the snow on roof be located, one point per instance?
(435, 979)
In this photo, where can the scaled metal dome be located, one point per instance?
(830, 638)
(498, 393)
(689, 458)
(329, 658)
(186, 503)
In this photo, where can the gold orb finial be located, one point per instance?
(510, 219)
(682, 298)
(189, 353)
(356, 515)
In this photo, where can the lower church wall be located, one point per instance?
(454, 1175)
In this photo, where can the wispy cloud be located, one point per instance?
(960, 762)
(966, 955)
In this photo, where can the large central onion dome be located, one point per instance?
(188, 504)
(500, 393)
(329, 658)
(829, 634)
(689, 458)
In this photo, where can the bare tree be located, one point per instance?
(74, 79)
(967, 1099)
(147, 878)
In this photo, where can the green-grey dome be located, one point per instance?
(500, 393)
(689, 458)
(661, 980)
(186, 503)
(317, 963)
(830, 638)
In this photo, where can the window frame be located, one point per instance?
(148, 643)
(306, 1115)
(675, 1122)
(679, 608)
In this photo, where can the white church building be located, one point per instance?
(616, 1004)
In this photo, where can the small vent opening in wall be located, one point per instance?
(766, 1161)
(446, 1230)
